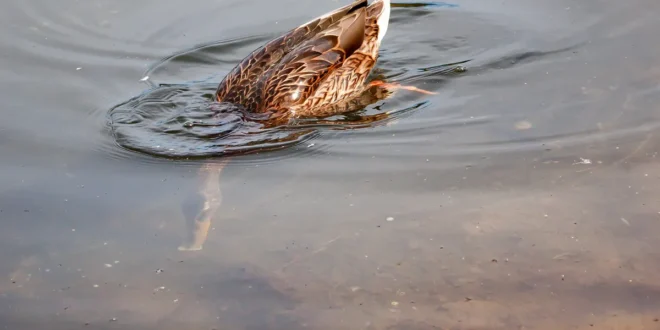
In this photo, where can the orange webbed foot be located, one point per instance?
(395, 86)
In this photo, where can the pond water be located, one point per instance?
(524, 194)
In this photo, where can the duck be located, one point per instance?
(315, 69)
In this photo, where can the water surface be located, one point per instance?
(523, 195)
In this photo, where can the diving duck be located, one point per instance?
(314, 68)
(318, 69)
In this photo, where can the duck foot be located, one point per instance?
(190, 248)
(210, 196)
(395, 86)
(200, 226)
(198, 233)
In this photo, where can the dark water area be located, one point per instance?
(523, 195)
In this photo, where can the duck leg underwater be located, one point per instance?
(318, 69)
(209, 196)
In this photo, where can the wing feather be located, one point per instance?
(238, 86)
(299, 73)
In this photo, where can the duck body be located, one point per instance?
(318, 69)
(314, 69)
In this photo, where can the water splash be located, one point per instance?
(184, 121)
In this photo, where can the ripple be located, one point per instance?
(177, 117)
(180, 120)
(79, 36)
(184, 122)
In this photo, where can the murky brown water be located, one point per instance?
(523, 196)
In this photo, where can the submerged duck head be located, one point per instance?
(315, 69)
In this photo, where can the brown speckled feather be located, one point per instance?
(298, 75)
(311, 67)
(349, 79)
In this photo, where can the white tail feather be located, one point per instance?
(383, 20)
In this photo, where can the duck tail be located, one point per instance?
(383, 17)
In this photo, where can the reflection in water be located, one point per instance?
(522, 196)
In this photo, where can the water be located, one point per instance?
(522, 196)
